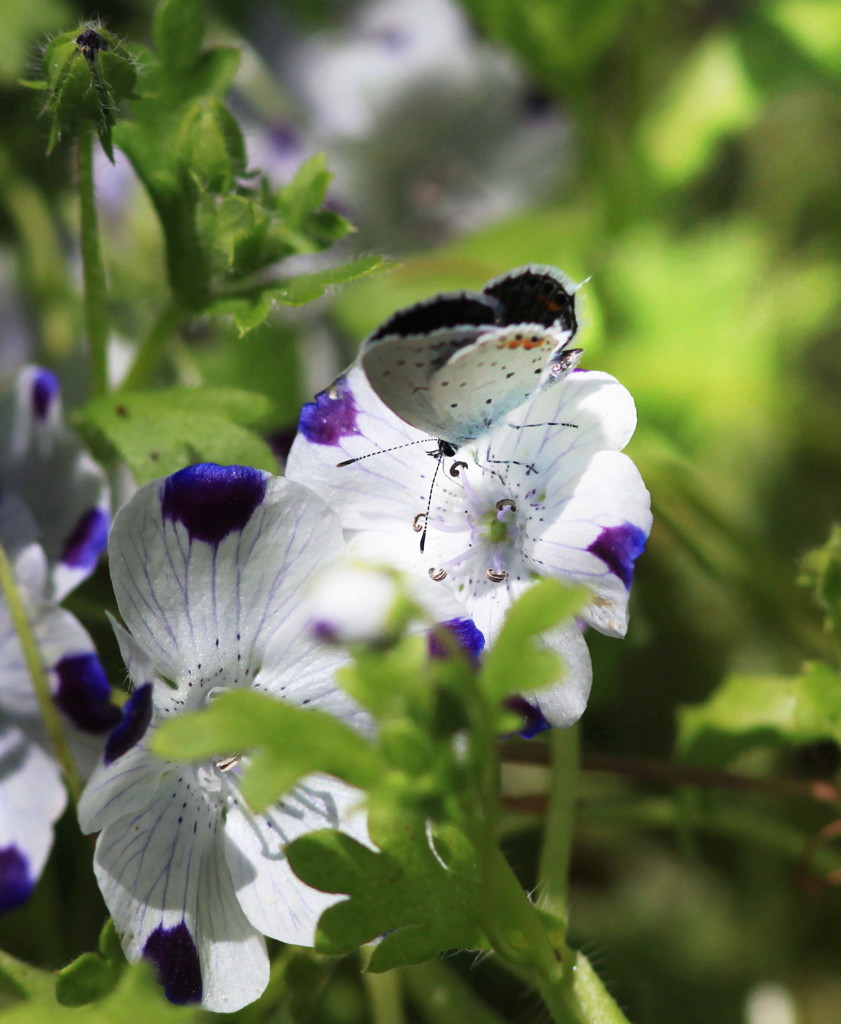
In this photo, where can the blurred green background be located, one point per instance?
(684, 159)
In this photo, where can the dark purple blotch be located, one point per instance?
(87, 541)
(16, 882)
(136, 716)
(331, 416)
(533, 718)
(83, 693)
(212, 501)
(173, 953)
(619, 547)
(285, 138)
(467, 636)
(44, 392)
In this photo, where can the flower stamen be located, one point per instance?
(437, 574)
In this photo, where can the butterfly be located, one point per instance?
(454, 365)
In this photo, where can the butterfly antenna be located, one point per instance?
(381, 451)
(429, 502)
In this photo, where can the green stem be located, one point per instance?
(518, 932)
(96, 298)
(37, 673)
(560, 822)
(386, 998)
(152, 348)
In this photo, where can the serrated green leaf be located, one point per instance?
(284, 741)
(158, 433)
(250, 307)
(179, 30)
(421, 901)
(518, 661)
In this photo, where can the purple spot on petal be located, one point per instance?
(619, 547)
(87, 541)
(44, 391)
(326, 632)
(16, 883)
(285, 138)
(213, 501)
(176, 960)
(465, 634)
(331, 416)
(137, 714)
(533, 718)
(84, 694)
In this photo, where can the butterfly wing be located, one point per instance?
(401, 370)
(482, 382)
(536, 293)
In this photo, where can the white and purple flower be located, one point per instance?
(545, 493)
(53, 524)
(44, 464)
(208, 567)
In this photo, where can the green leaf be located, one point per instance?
(87, 979)
(518, 661)
(137, 997)
(250, 307)
(210, 145)
(159, 432)
(284, 743)
(421, 901)
(179, 30)
(822, 571)
(749, 711)
(22, 980)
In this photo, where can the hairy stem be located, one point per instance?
(95, 299)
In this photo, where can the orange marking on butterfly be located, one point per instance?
(526, 341)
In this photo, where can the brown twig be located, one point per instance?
(663, 773)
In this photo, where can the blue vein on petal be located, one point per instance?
(87, 541)
(464, 632)
(16, 882)
(534, 720)
(84, 694)
(44, 392)
(619, 547)
(137, 714)
(331, 416)
(213, 501)
(176, 960)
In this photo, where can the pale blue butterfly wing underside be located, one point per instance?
(454, 365)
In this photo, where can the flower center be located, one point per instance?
(498, 525)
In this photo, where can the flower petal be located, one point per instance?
(273, 898)
(45, 464)
(163, 876)
(32, 798)
(207, 567)
(384, 489)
